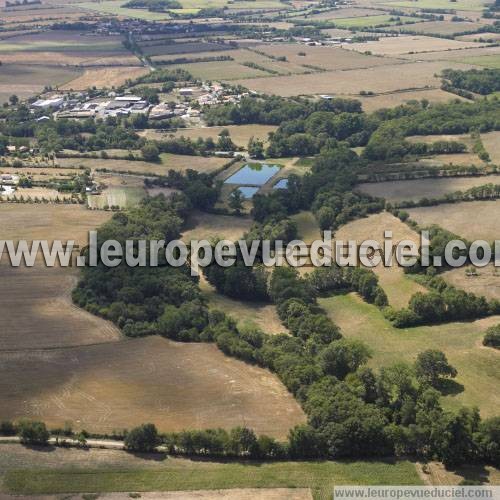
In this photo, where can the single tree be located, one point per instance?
(143, 438)
(431, 365)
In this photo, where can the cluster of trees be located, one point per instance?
(388, 141)
(153, 5)
(480, 81)
(492, 337)
(326, 190)
(444, 303)
(274, 110)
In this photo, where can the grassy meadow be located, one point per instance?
(478, 367)
(180, 474)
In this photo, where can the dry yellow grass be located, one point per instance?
(428, 188)
(330, 58)
(240, 134)
(491, 142)
(105, 77)
(472, 220)
(398, 286)
(395, 46)
(486, 282)
(169, 161)
(457, 54)
(397, 98)
(382, 79)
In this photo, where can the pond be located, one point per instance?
(281, 184)
(123, 197)
(255, 174)
(248, 191)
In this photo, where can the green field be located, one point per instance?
(492, 62)
(478, 367)
(367, 21)
(180, 474)
(441, 4)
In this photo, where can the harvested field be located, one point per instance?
(105, 77)
(337, 32)
(440, 28)
(372, 21)
(486, 281)
(472, 5)
(25, 80)
(478, 368)
(397, 285)
(476, 36)
(373, 103)
(453, 55)
(491, 142)
(242, 56)
(123, 384)
(395, 46)
(169, 161)
(343, 13)
(330, 58)
(184, 48)
(222, 70)
(458, 217)
(424, 188)
(115, 7)
(65, 41)
(382, 79)
(44, 315)
(240, 134)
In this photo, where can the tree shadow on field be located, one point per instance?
(448, 387)
(152, 457)
(48, 448)
(472, 473)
